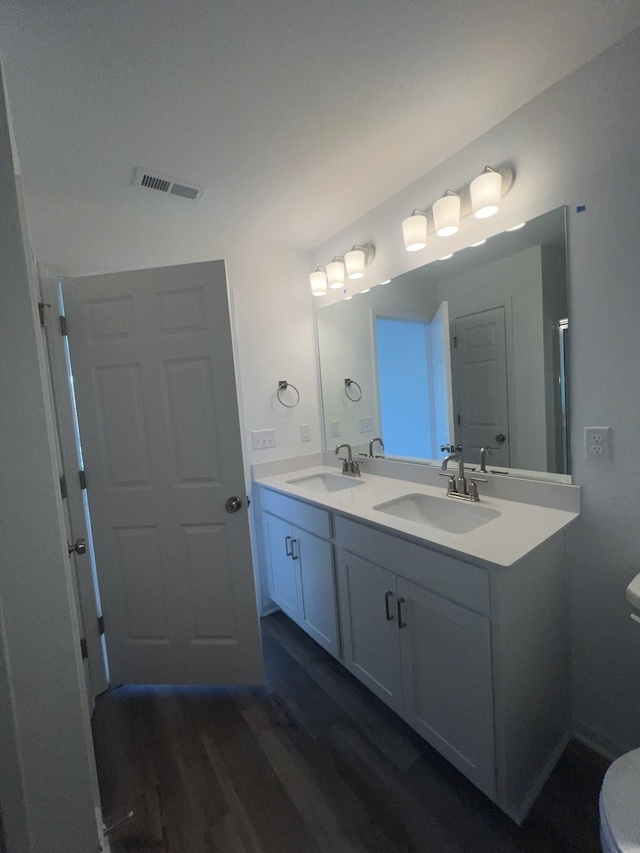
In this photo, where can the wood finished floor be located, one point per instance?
(313, 763)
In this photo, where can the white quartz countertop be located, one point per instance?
(503, 541)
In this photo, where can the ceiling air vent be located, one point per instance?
(164, 184)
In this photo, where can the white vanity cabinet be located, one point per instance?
(300, 563)
(425, 655)
(471, 653)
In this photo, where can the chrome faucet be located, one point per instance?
(484, 452)
(372, 442)
(458, 487)
(349, 467)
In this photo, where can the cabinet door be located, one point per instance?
(283, 570)
(446, 674)
(370, 637)
(318, 607)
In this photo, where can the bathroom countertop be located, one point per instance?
(501, 542)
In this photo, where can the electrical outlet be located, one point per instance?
(335, 429)
(305, 432)
(597, 442)
(261, 438)
(365, 424)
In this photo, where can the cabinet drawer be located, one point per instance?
(458, 581)
(308, 517)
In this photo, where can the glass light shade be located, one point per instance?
(485, 194)
(318, 281)
(446, 215)
(335, 274)
(414, 231)
(354, 262)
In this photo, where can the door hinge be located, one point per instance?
(42, 313)
(84, 649)
(63, 486)
(455, 341)
(83, 479)
(63, 325)
(458, 420)
(101, 625)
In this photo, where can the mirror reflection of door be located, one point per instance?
(413, 377)
(481, 405)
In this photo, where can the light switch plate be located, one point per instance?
(261, 438)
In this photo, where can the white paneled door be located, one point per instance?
(482, 398)
(152, 362)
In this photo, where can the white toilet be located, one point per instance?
(620, 805)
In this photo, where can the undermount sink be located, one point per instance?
(448, 514)
(326, 483)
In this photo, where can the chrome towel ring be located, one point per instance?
(347, 385)
(282, 386)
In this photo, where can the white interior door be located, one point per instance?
(482, 399)
(152, 361)
(78, 525)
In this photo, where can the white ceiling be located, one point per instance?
(298, 116)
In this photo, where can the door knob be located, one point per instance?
(79, 546)
(500, 438)
(233, 504)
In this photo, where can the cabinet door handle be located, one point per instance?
(401, 624)
(387, 596)
(293, 552)
(287, 546)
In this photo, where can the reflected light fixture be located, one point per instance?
(357, 259)
(388, 281)
(479, 243)
(485, 191)
(414, 231)
(517, 227)
(446, 257)
(335, 273)
(318, 281)
(446, 214)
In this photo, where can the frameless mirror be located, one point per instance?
(470, 350)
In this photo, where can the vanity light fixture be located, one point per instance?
(481, 197)
(446, 214)
(335, 273)
(318, 281)
(357, 259)
(485, 192)
(414, 231)
(517, 227)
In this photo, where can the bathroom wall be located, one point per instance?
(576, 144)
(274, 339)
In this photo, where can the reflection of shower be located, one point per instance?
(563, 343)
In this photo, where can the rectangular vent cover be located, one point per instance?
(164, 184)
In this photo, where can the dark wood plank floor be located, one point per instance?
(313, 763)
